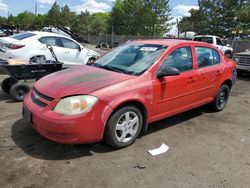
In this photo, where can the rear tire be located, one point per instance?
(18, 91)
(123, 127)
(221, 98)
(7, 83)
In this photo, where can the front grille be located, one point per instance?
(243, 60)
(38, 102)
(40, 99)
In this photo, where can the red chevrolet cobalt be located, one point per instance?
(126, 89)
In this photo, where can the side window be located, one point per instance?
(218, 42)
(69, 44)
(49, 41)
(181, 59)
(207, 56)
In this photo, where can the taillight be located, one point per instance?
(14, 46)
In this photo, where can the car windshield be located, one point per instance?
(131, 58)
(22, 36)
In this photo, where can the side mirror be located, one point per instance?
(167, 71)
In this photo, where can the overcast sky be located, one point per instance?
(179, 7)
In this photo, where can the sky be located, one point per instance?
(179, 7)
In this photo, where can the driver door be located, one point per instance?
(174, 94)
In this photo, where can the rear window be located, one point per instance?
(22, 36)
(204, 39)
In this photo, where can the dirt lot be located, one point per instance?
(206, 150)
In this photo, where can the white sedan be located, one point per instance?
(31, 46)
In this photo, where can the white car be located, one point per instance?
(217, 42)
(32, 46)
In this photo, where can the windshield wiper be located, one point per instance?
(115, 69)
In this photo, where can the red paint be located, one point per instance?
(161, 97)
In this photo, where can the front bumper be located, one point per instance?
(243, 68)
(84, 128)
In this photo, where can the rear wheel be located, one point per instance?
(18, 91)
(221, 98)
(7, 83)
(123, 127)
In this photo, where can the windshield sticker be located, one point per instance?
(148, 49)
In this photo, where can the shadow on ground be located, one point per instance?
(36, 146)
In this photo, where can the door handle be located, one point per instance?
(191, 80)
(67, 52)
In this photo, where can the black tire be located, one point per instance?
(111, 132)
(221, 98)
(7, 83)
(18, 91)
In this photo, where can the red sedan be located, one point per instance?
(126, 89)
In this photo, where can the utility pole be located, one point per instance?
(36, 9)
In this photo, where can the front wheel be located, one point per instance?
(123, 127)
(221, 99)
(91, 61)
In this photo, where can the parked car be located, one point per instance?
(31, 46)
(217, 42)
(133, 85)
(243, 62)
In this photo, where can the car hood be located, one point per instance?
(78, 80)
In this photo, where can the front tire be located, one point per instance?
(123, 127)
(221, 98)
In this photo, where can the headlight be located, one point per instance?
(236, 59)
(75, 104)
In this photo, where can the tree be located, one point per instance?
(213, 17)
(99, 22)
(66, 17)
(54, 14)
(140, 17)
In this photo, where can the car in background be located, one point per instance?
(243, 62)
(31, 46)
(217, 42)
(133, 85)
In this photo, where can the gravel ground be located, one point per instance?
(206, 150)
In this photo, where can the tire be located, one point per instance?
(7, 83)
(123, 127)
(221, 98)
(18, 91)
(91, 61)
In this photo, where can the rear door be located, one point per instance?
(174, 94)
(210, 70)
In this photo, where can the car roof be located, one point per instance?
(42, 33)
(168, 42)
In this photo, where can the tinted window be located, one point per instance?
(49, 41)
(180, 59)
(204, 39)
(207, 56)
(69, 44)
(22, 36)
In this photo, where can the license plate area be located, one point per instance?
(27, 115)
